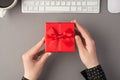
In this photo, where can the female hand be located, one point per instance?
(86, 47)
(32, 65)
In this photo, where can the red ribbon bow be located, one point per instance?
(56, 38)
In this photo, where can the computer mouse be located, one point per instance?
(114, 6)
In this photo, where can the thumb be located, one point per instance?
(44, 58)
(79, 43)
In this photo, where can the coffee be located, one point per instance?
(5, 3)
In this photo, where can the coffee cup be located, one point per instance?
(6, 5)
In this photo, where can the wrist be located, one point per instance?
(28, 77)
(24, 78)
(92, 65)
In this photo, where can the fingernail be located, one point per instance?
(49, 54)
(76, 37)
(73, 21)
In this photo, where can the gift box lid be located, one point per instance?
(60, 37)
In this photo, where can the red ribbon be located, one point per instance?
(56, 38)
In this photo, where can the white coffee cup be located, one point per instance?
(4, 10)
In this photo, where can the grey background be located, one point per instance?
(19, 32)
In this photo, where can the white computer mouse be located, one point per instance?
(114, 6)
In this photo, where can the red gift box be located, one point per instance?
(59, 37)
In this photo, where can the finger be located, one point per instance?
(79, 43)
(83, 32)
(35, 57)
(44, 58)
(34, 50)
(39, 45)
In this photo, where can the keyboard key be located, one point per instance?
(28, 3)
(73, 3)
(91, 3)
(47, 3)
(73, 8)
(36, 8)
(52, 3)
(59, 9)
(85, 9)
(68, 3)
(79, 3)
(41, 8)
(37, 3)
(57, 3)
(42, 3)
(90, 9)
(79, 9)
(25, 8)
(63, 3)
(30, 8)
(83, 3)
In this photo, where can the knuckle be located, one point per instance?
(23, 56)
(93, 42)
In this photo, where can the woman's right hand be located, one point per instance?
(86, 47)
(33, 64)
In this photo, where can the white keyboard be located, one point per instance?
(60, 6)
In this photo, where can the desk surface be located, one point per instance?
(19, 32)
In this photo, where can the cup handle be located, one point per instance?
(2, 12)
